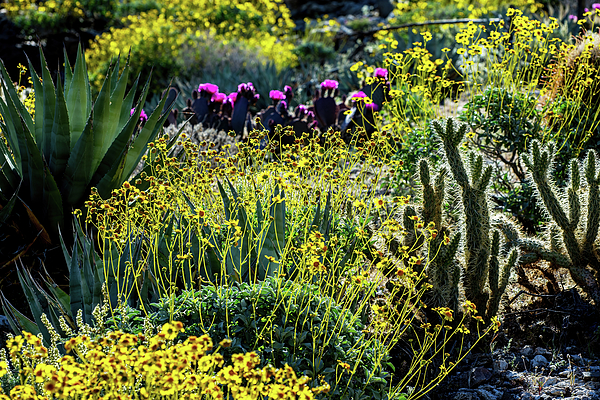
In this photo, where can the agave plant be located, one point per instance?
(72, 144)
(88, 278)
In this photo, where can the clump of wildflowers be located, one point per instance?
(132, 366)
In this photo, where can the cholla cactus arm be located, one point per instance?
(593, 200)
(538, 162)
(433, 197)
(476, 211)
(451, 138)
(494, 264)
(502, 283)
(573, 193)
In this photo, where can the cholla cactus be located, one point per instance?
(575, 212)
(480, 266)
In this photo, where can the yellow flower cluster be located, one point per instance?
(158, 37)
(60, 7)
(126, 366)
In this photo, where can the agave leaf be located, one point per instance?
(68, 72)
(12, 129)
(246, 249)
(211, 259)
(61, 137)
(61, 297)
(226, 201)
(79, 99)
(38, 87)
(273, 238)
(42, 186)
(49, 98)
(15, 98)
(17, 321)
(148, 133)
(127, 105)
(109, 173)
(6, 211)
(36, 307)
(75, 284)
(9, 172)
(79, 168)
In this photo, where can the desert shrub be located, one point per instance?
(503, 123)
(572, 96)
(157, 38)
(284, 323)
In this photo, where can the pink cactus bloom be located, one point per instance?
(302, 109)
(143, 116)
(329, 84)
(276, 95)
(232, 97)
(208, 87)
(381, 73)
(256, 97)
(572, 17)
(287, 88)
(358, 95)
(219, 97)
(372, 107)
(596, 6)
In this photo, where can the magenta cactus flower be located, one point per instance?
(208, 87)
(219, 97)
(256, 97)
(276, 95)
(372, 107)
(232, 97)
(358, 95)
(329, 84)
(143, 116)
(302, 109)
(596, 6)
(381, 73)
(572, 17)
(287, 88)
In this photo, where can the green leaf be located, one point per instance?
(7, 209)
(61, 137)
(148, 133)
(68, 72)
(34, 303)
(17, 321)
(79, 99)
(49, 97)
(75, 284)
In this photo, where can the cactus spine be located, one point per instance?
(481, 264)
(578, 236)
(484, 280)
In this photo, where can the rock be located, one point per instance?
(589, 375)
(466, 394)
(527, 351)
(500, 365)
(542, 352)
(539, 362)
(479, 375)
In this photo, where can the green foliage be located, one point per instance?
(575, 212)
(483, 279)
(504, 123)
(88, 280)
(285, 322)
(72, 144)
